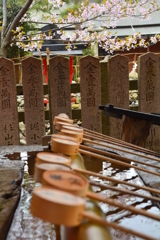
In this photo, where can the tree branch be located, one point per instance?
(16, 20)
(4, 24)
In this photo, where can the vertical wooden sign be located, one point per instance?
(90, 93)
(118, 90)
(149, 94)
(8, 106)
(33, 100)
(60, 89)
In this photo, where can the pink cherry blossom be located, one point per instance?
(107, 14)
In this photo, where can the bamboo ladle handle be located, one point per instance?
(152, 190)
(117, 162)
(121, 149)
(72, 148)
(122, 206)
(121, 190)
(57, 148)
(120, 142)
(40, 168)
(78, 185)
(116, 226)
(117, 157)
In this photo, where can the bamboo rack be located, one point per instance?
(117, 157)
(118, 142)
(120, 146)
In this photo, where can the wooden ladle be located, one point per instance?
(40, 168)
(77, 184)
(63, 208)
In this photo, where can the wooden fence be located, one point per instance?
(101, 82)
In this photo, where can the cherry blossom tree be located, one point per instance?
(81, 16)
(8, 28)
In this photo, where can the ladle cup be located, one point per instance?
(75, 183)
(63, 208)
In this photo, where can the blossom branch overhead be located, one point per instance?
(107, 13)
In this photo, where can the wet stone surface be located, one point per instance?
(11, 176)
(10, 187)
(25, 226)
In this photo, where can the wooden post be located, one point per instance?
(135, 130)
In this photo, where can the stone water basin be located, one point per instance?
(25, 226)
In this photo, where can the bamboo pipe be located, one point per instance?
(69, 212)
(120, 149)
(117, 162)
(116, 156)
(90, 173)
(126, 144)
(76, 184)
(124, 191)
